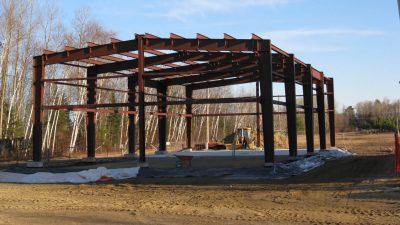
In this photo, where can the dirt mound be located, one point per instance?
(354, 168)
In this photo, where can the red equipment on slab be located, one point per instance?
(183, 158)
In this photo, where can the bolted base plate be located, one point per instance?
(34, 164)
(268, 164)
(161, 152)
(89, 159)
(131, 155)
(294, 158)
(310, 153)
(143, 165)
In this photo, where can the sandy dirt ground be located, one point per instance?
(361, 189)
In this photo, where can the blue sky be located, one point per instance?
(356, 42)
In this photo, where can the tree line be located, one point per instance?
(375, 116)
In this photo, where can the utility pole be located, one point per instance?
(398, 5)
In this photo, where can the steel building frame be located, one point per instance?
(196, 63)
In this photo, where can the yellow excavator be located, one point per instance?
(245, 138)
(242, 138)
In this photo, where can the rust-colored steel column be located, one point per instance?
(321, 112)
(162, 119)
(142, 132)
(38, 100)
(258, 143)
(189, 95)
(308, 108)
(290, 93)
(131, 117)
(90, 116)
(331, 108)
(267, 107)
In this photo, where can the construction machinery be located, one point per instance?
(243, 138)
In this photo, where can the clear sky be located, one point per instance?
(355, 41)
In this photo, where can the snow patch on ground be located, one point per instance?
(85, 176)
(309, 163)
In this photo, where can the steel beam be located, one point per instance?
(226, 114)
(239, 80)
(85, 78)
(88, 106)
(38, 100)
(87, 86)
(203, 68)
(308, 108)
(208, 77)
(131, 64)
(180, 44)
(315, 73)
(239, 114)
(116, 111)
(91, 116)
(131, 117)
(183, 102)
(213, 101)
(91, 52)
(162, 120)
(149, 83)
(321, 112)
(142, 132)
(189, 95)
(172, 57)
(290, 93)
(258, 143)
(47, 52)
(331, 110)
(266, 78)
